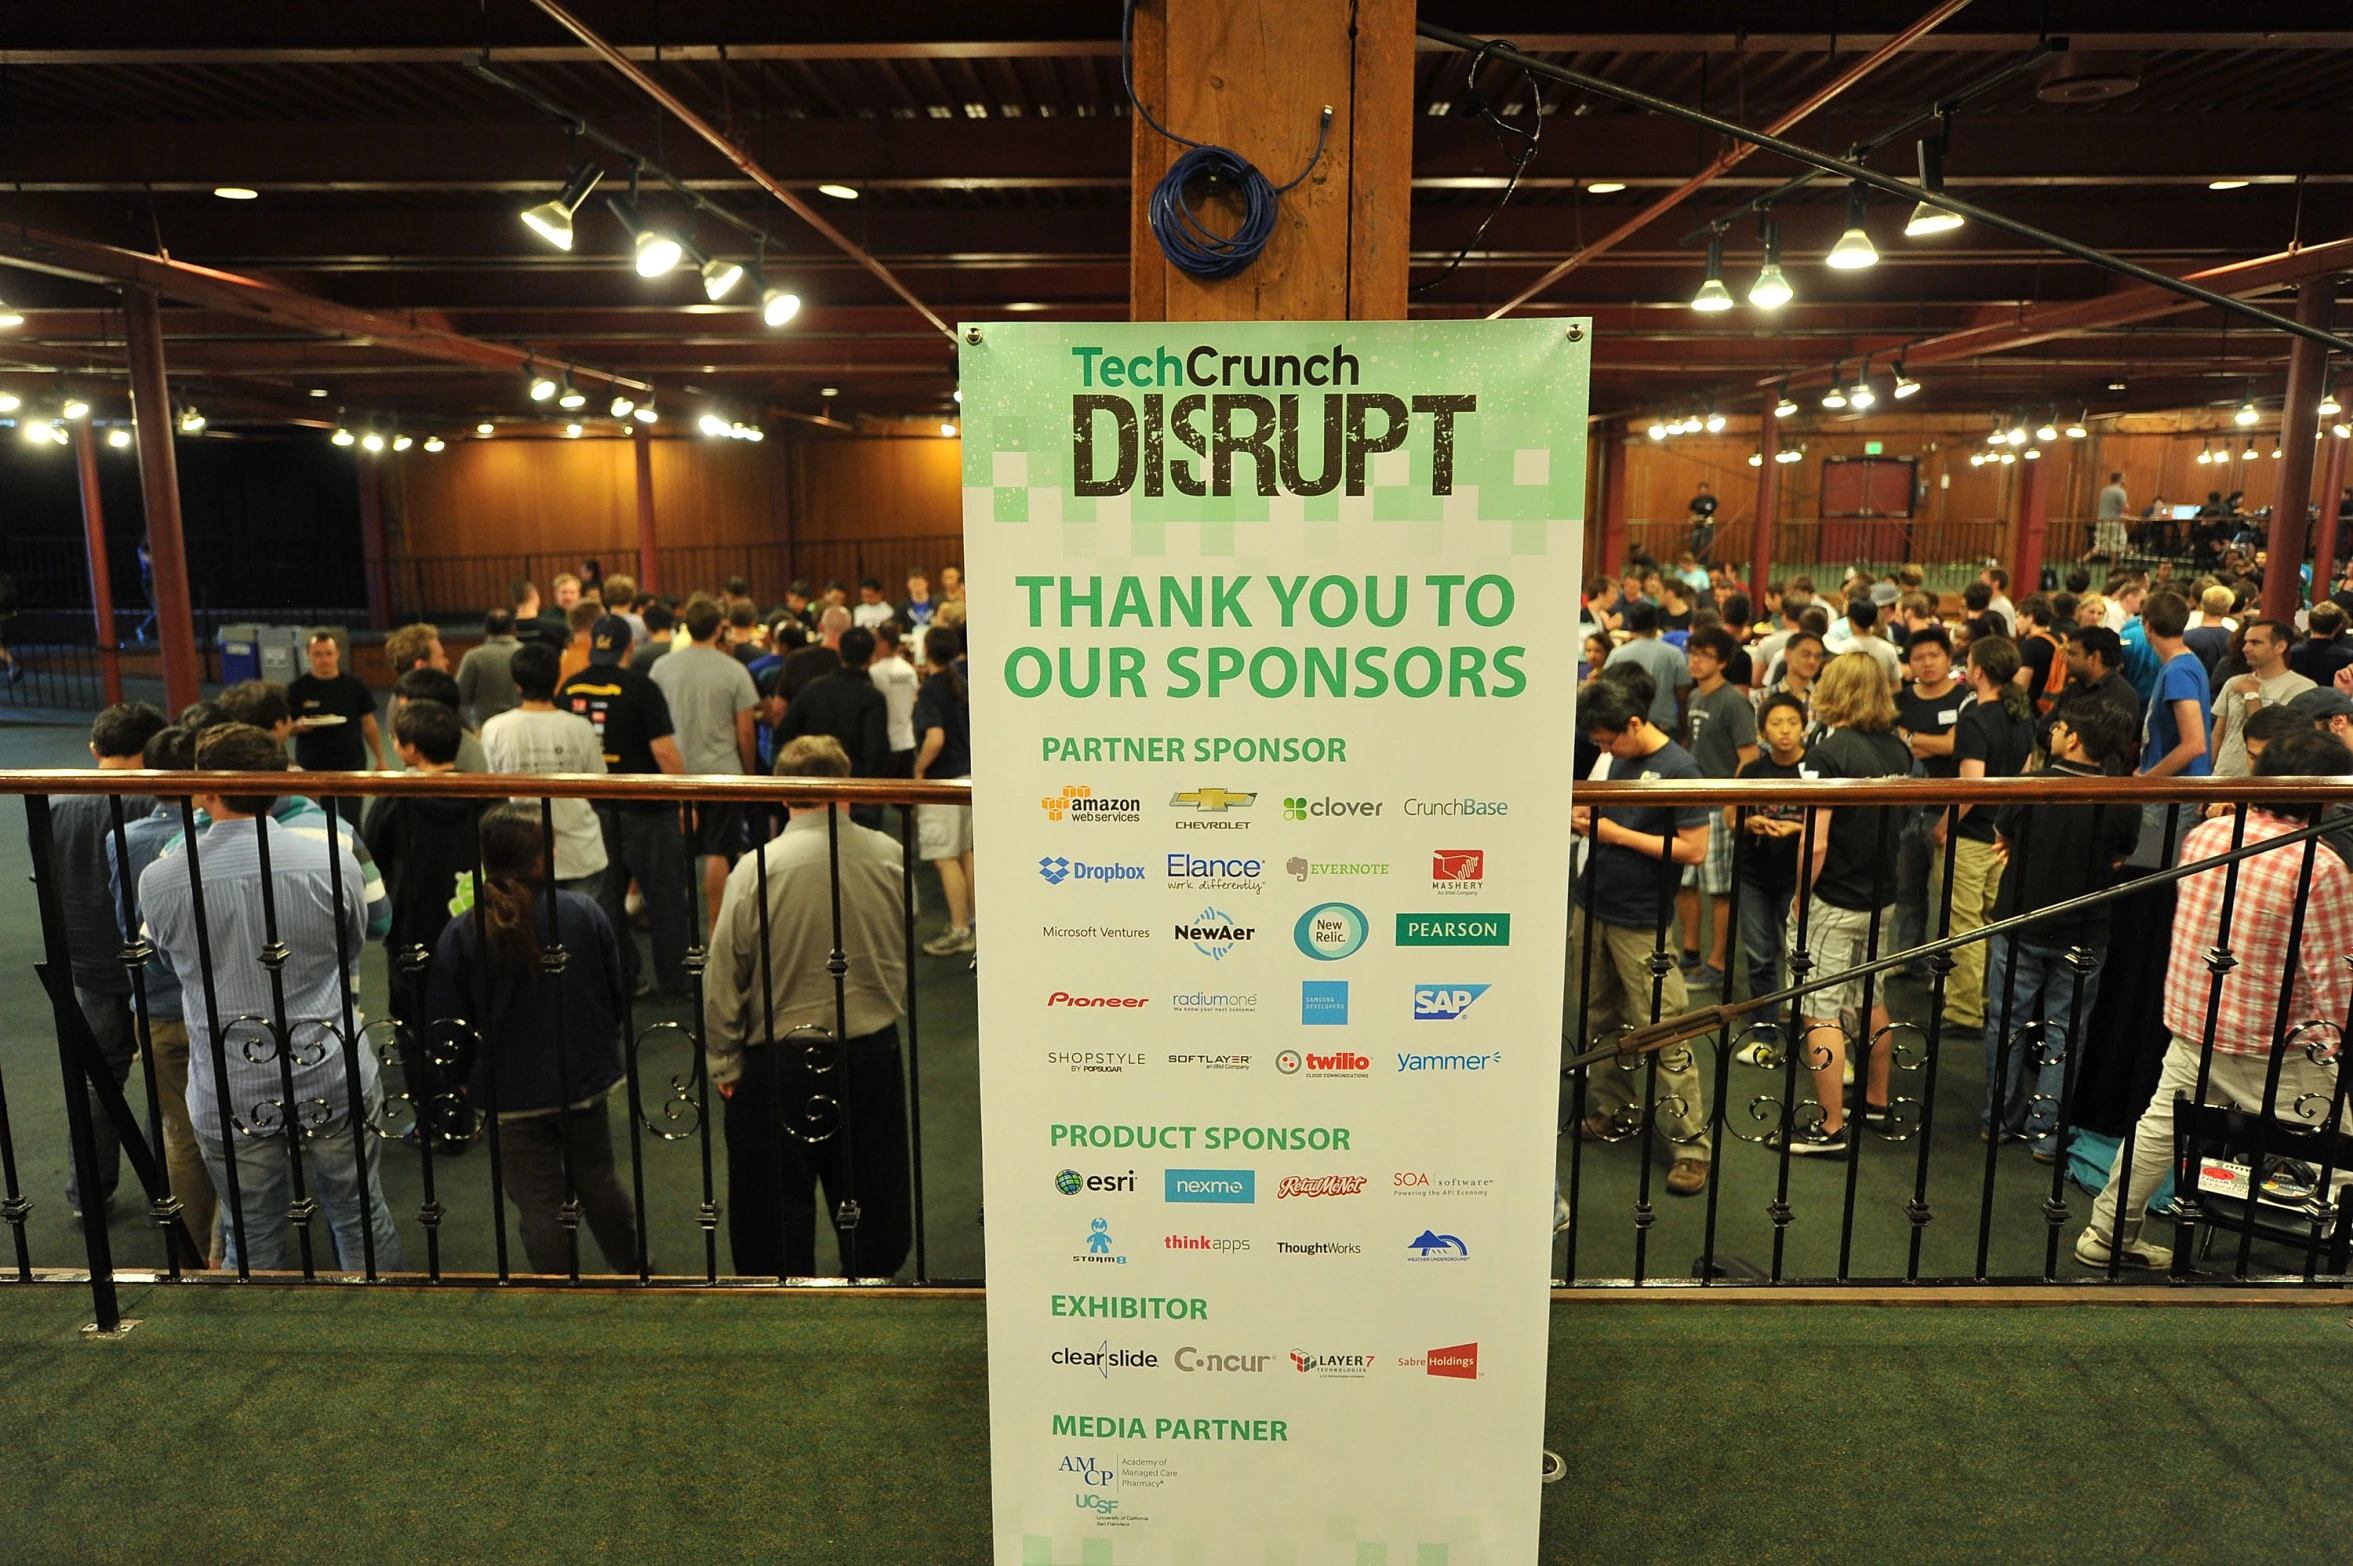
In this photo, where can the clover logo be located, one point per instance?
(1295, 809)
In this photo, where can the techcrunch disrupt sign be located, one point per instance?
(1349, 667)
(1277, 1139)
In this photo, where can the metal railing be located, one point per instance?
(1879, 1216)
(458, 587)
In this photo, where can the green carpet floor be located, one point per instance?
(281, 1425)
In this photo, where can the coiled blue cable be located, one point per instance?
(1191, 245)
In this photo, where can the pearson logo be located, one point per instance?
(1434, 929)
(1444, 1002)
(1331, 931)
(1079, 805)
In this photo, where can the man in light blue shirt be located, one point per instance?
(341, 1167)
(1669, 672)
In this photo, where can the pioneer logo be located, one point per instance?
(1087, 1002)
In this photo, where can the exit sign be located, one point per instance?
(1872, 448)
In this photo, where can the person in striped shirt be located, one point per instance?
(2247, 1025)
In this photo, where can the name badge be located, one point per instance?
(1949, 717)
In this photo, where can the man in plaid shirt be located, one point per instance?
(2246, 1026)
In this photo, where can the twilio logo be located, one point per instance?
(1458, 864)
(1340, 1062)
(1065, 998)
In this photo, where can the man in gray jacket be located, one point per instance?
(762, 1069)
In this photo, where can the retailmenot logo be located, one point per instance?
(1065, 998)
(1319, 1185)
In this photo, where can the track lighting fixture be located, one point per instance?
(36, 431)
(645, 414)
(10, 402)
(2032, 453)
(1904, 386)
(343, 437)
(1756, 459)
(1713, 295)
(552, 220)
(118, 437)
(838, 192)
(435, 443)
(657, 252)
(2246, 415)
(947, 432)
(574, 398)
(9, 317)
(2008, 457)
(1657, 431)
(777, 305)
(371, 442)
(719, 275)
(2329, 407)
(1715, 422)
(541, 387)
(485, 429)
(2047, 432)
(75, 408)
(1854, 249)
(2205, 453)
(1862, 396)
(1782, 406)
(1928, 218)
(2076, 430)
(571, 432)
(622, 406)
(1789, 454)
(1771, 290)
(191, 422)
(1835, 397)
(2016, 435)
(711, 424)
(1977, 459)
(2341, 430)
(402, 443)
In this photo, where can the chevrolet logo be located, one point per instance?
(1214, 799)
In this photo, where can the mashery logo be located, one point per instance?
(1458, 872)
(1213, 933)
(1460, 1362)
(1433, 929)
(1323, 1003)
(1237, 1187)
(1431, 1246)
(1054, 870)
(1299, 867)
(1215, 873)
(1079, 805)
(1212, 807)
(1070, 1182)
(1089, 1002)
(1444, 1002)
(1319, 1185)
(1301, 808)
(1331, 931)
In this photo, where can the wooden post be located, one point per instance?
(1760, 533)
(159, 484)
(2332, 490)
(2034, 521)
(1255, 76)
(2283, 574)
(110, 658)
(649, 557)
(1614, 453)
(373, 557)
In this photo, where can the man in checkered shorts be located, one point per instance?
(1720, 731)
(2246, 1027)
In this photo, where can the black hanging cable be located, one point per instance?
(1505, 137)
(1192, 247)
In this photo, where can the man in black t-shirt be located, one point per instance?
(1995, 740)
(1928, 710)
(1627, 893)
(643, 840)
(2095, 659)
(335, 721)
(1703, 524)
(1769, 838)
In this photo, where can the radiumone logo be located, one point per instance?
(1444, 1002)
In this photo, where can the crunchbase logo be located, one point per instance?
(1458, 808)
(1080, 806)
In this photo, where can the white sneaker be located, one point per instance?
(1562, 1218)
(949, 943)
(1758, 1053)
(2093, 1250)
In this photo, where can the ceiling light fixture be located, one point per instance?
(343, 437)
(2329, 406)
(2245, 416)
(719, 275)
(574, 397)
(1977, 459)
(1771, 290)
(1904, 386)
(1657, 431)
(235, 192)
(552, 220)
(622, 406)
(1715, 422)
(838, 192)
(10, 402)
(2341, 430)
(191, 422)
(571, 432)
(2016, 435)
(1756, 459)
(1782, 406)
(2047, 432)
(402, 443)
(2076, 430)
(657, 252)
(2276, 453)
(711, 424)
(947, 432)
(1713, 295)
(1854, 250)
(485, 429)
(1928, 218)
(9, 317)
(541, 387)
(2205, 453)
(1605, 187)
(2007, 458)
(645, 414)
(118, 437)
(836, 391)
(75, 408)
(1835, 397)
(371, 442)
(1862, 396)
(1790, 454)
(2227, 184)
(318, 391)
(778, 305)
(435, 443)
(2032, 453)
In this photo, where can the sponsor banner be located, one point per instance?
(1266, 751)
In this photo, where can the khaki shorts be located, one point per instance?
(943, 831)
(1838, 939)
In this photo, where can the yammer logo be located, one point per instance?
(1235, 1186)
(1444, 1002)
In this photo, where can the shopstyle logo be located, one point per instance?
(1102, 1062)
(1079, 805)
(1319, 1185)
(1331, 931)
(1323, 1003)
(1300, 808)
(1099, 1247)
(1091, 1002)
(1434, 929)
(1234, 1187)
(1213, 933)
(1444, 1002)
(1070, 1182)
(1431, 1246)
(1054, 870)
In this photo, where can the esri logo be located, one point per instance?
(1070, 1182)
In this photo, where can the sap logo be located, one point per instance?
(1070, 1182)
(1054, 870)
(1485, 1062)
(1096, 1503)
(1212, 800)
(1301, 808)
(1227, 1186)
(1086, 1471)
(1430, 1245)
(1323, 1003)
(1331, 931)
(1084, 1002)
(1458, 864)
(1444, 1002)
(1213, 933)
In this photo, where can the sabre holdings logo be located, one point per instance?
(1458, 872)
(1213, 933)
(1460, 1363)
(1080, 806)
(1054, 870)
(1211, 809)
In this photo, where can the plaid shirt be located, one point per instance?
(2270, 885)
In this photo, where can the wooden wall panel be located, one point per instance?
(902, 488)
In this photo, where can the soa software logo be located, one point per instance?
(1330, 931)
(1444, 1002)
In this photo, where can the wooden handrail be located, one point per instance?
(1995, 792)
(492, 785)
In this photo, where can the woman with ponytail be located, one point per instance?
(1994, 739)
(551, 1041)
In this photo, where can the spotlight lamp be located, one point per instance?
(541, 387)
(402, 442)
(1854, 250)
(719, 275)
(2205, 453)
(622, 406)
(2076, 429)
(1927, 217)
(646, 414)
(1756, 459)
(1904, 386)
(778, 305)
(2047, 432)
(36, 431)
(1657, 430)
(371, 442)
(118, 437)
(2246, 415)
(2016, 435)
(435, 443)
(343, 437)
(1835, 397)
(2249, 454)
(2032, 453)
(485, 429)
(10, 402)
(711, 424)
(2008, 458)
(1782, 406)
(574, 398)
(1771, 290)
(75, 408)
(572, 432)
(657, 252)
(1789, 454)
(1862, 396)
(2276, 453)
(2329, 406)
(1715, 422)
(947, 432)
(839, 192)
(1977, 459)
(10, 317)
(1713, 295)
(552, 220)
(191, 421)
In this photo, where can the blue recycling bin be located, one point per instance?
(240, 653)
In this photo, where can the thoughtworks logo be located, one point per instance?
(1078, 804)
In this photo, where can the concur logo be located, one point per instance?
(1331, 931)
(1233, 1186)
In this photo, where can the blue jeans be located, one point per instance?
(1915, 884)
(1764, 922)
(332, 1175)
(2035, 1072)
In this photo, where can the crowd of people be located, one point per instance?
(468, 898)
(1683, 678)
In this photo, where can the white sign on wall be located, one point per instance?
(1272, 664)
